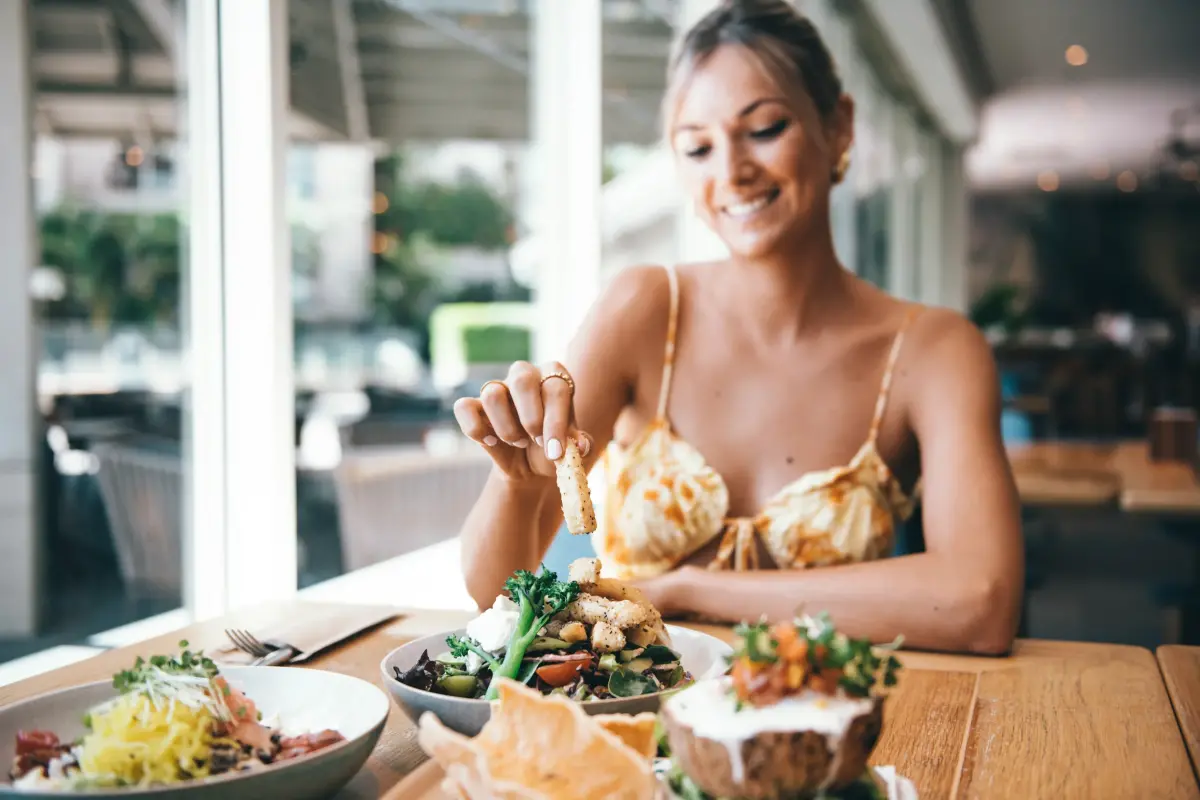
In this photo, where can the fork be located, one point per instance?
(266, 653)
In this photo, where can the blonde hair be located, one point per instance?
(784, 42)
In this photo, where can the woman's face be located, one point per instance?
(757, 163)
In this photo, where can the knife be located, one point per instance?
(276, 657)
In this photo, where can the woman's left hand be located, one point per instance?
(669, 592)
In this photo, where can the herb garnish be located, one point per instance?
(188, 663)
(770, 661)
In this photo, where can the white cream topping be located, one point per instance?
(494, 628)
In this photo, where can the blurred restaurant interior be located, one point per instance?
(255, 251)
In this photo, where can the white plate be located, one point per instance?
(299, 700)
(701, 654)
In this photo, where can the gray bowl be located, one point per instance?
(302, 699)
(701, 654)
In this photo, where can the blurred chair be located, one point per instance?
(143, 499)
(393, 500)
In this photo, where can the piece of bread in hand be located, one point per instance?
(577, 507)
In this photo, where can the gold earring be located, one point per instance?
(839, 172)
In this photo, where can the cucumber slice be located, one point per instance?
(459, 685)
(608, 662)
(639, 665)
(630, 655)
(547, 643)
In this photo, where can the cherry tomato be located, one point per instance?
(563, 673)
(32, 741)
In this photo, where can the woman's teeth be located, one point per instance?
(739, 210)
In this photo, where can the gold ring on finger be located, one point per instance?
(564, 376)
(489, 383)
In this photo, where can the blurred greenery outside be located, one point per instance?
(124, 269)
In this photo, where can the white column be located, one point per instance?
(695, 241)
(260, 395)
(567, 157)
(955, 219)
(345, 176)
(205, 525)
(932, 226)
(19, 423)
(843, 201)
(902, 143)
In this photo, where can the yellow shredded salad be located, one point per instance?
(135, 741)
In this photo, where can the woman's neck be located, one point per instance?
(793, 292)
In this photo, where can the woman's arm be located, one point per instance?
(516, 517)
(963, 594)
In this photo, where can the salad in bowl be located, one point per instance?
(593, 640)
(180, 725)
(589, 638)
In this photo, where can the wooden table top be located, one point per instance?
(1054, 719)
(1180, 666)
(1079, 473)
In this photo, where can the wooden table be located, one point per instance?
(1077, 473)
(1180, 666)
(1054, 720)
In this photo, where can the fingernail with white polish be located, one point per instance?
(521, 443)
(585, 445)
(554, 449)
(490, 441)
(538, 439)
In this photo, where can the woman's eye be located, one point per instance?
(771, 131)
(697, 152)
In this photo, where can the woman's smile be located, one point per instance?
(746, 209)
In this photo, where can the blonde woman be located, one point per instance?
(764, 421)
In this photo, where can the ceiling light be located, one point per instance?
(1077, 56)
(1127, 181)
(1047, 181)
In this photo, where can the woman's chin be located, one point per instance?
(755, 247)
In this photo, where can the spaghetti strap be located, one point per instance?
(669, 351)
(886, 385)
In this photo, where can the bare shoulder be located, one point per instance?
(628, 320)
(950, 366)
(638, 293)
(633, 304)
(941, 340)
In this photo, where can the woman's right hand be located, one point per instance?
(523, 421)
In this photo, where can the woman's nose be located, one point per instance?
(736, 167)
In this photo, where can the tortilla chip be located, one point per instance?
(538, 747)
(636, 732)
(572, 480)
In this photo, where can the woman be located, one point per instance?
(719, 394)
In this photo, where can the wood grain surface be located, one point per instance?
(1051, 720)
(1180, 665)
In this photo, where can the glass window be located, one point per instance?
(640, 201)
(411, 229)
(873, 183)
(108, 272)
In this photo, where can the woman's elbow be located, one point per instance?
(480, 585)
(993, 607)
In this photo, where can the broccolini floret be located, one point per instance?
(539, 597)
